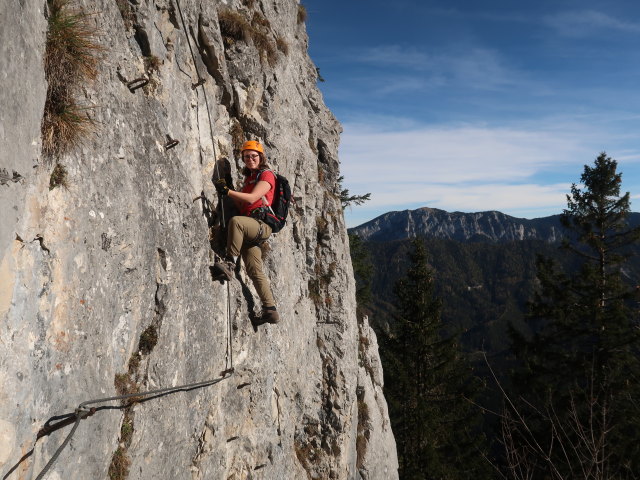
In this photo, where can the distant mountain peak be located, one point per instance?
(490, 226)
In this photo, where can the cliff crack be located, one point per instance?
(212, 63)
(40, 240)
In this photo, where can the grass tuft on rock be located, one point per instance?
(235, 27)
(58, 177)
(120, 464)
(237, 136)
(70, 62)
(302, 14)
(282, 45)
(148, 340)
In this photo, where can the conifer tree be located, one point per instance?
(428, 386)
(580, 367)
(362, 271)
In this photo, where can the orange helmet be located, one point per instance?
(253, 145)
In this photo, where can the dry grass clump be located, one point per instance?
(70, 61)
(236, 28)
(64, 125)
(260, 22)
(71, 49)
(152, 64)
(282, 45)
(302, 14)
(237, 136)
(363, 433)
(120, 464)
(233, 26)
(265, 46)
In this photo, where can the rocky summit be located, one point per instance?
(492, 226)
(108, 222)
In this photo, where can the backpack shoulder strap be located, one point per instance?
(260, 172)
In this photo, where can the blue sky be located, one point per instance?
(473, 106)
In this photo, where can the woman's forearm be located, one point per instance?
(258, 192)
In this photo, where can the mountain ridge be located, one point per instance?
(488, 226)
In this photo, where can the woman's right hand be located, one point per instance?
(221, 186)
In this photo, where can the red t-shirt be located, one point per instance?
(250, 183)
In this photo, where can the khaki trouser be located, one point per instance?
(241, 240)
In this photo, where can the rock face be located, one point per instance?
(481, 226)
(105, 284)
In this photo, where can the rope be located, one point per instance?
(83, 412)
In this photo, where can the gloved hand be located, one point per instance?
(221, 186)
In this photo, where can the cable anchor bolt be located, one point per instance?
(201, 81)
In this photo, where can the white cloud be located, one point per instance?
(588, 22)
(519, 171)
(474, 197)
(453, 155)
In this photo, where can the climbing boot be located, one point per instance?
(224, 270)
(269, 315)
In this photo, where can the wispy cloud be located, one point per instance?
(473, 67)
(585, 23)
(468, 167)
(455, 154)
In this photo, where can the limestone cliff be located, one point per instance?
(104, 273)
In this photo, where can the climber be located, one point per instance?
(247, 231)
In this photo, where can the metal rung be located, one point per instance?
(134, 85)
(172, 143)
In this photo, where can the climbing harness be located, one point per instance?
(83, 411)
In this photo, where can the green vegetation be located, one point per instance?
(578, 364)
(120, 464)
(557, 326)
(70, 61)
(428, 384)
(58, 177)
(347, 199)
(148, 340)
(362, 272)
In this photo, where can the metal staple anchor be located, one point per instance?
(134, 85)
